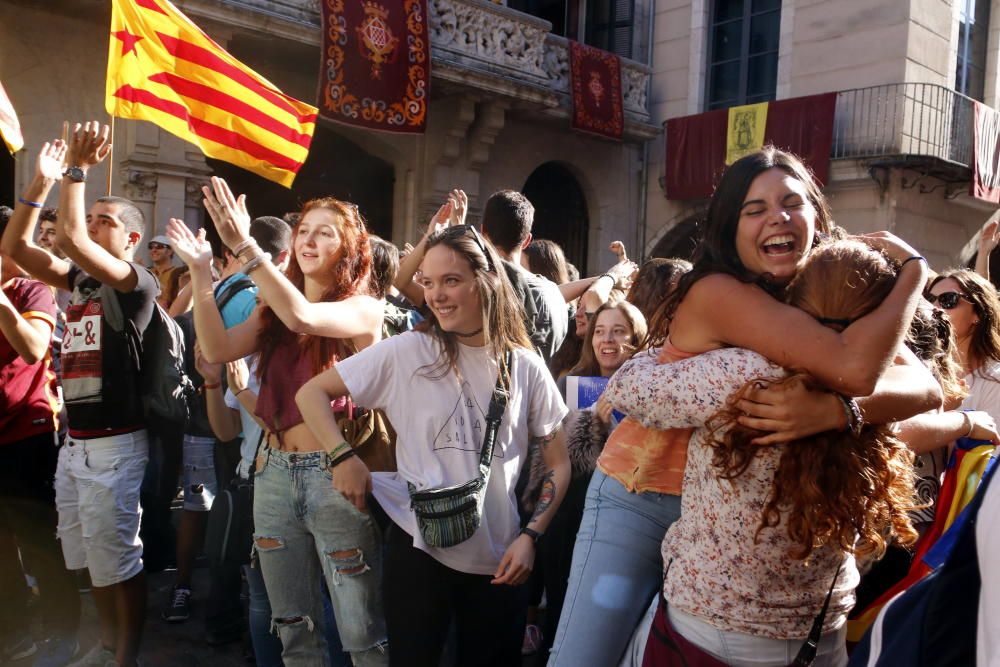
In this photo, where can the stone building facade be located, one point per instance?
(905, 72)
(498, 117)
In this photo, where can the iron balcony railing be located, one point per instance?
(904, 119)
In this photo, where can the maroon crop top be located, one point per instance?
(286, 372)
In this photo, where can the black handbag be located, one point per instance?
(449, 515)
(229, 534)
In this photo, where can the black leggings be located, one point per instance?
(422, 597)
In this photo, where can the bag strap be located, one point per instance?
(494, 415)
(222, 298)
(111, 307)
(807, 653)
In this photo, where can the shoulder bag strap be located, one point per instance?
(807, 653)
(494, 415)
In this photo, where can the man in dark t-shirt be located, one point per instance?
(102, 464)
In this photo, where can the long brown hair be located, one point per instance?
(716, 250)
(588, 366)
(350, 277)
(985, 344)
(833, 488)
(503, 316)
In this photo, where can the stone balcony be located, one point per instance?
(475, 43)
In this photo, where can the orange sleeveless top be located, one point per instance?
(645, 459)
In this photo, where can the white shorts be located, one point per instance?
(97, 494)
(199, 484)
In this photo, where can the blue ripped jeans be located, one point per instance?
(303, 527)
(616, 571)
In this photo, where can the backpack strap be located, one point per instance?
(231, 290)
(112, 307)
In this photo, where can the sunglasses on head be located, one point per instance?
(470, 230)
(946, 300)
(157, 246)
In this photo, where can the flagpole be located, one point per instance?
(111, 153)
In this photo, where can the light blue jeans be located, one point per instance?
(616, 571)
(743, 650)
(303, 527)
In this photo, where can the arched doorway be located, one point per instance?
(681, 240)
(560, 211)
(335, 167)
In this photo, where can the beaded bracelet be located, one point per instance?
(32, 204)
(256, 262)
(243, 246)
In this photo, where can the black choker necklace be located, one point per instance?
(469, 335)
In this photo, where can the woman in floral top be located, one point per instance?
(756, 550)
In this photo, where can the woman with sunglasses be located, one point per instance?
(973, 309)
(309, 317)
(439, 381)
(763, 221)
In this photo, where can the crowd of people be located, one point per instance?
(462, 452)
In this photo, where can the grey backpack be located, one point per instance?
(158, 352)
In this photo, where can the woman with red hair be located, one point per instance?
(309, 318)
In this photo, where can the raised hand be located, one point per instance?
(193, 250)
(459, 207)
(228, 212)
(88, 144)
(618, 248)
(51, 158)
(990, 237)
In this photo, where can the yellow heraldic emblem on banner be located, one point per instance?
(746, 130)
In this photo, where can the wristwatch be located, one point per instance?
(530, 532)
(75, 174)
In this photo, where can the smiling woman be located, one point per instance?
(468, 369)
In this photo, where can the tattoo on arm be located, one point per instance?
(544, 440)
(547, 495)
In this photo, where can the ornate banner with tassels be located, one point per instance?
(376, 67)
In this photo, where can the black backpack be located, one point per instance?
(164, 386)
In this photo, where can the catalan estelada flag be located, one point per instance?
(164, 69)
(10, 129)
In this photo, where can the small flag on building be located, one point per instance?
(9, 127)
(746, 130)
(596, 89)
(375, 67)
(162, 68)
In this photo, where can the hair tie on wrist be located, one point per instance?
(910, 259)
(32, 204)
(212, 385)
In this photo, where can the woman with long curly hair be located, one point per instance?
(766, 531)
(311, 317)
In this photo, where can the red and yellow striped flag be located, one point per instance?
(10, 128)
(164, 69)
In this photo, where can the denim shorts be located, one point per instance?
(97, 494)
(199, 483)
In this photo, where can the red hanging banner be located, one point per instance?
(596, 82)
(985, 154)
(697, 145)
(376, 64)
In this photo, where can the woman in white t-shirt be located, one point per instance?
(973, 308)
(435, 385)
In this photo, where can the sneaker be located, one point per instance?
(97, 656)
(532, 640)
(179, 607)
(19, 648)
(56, 653)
